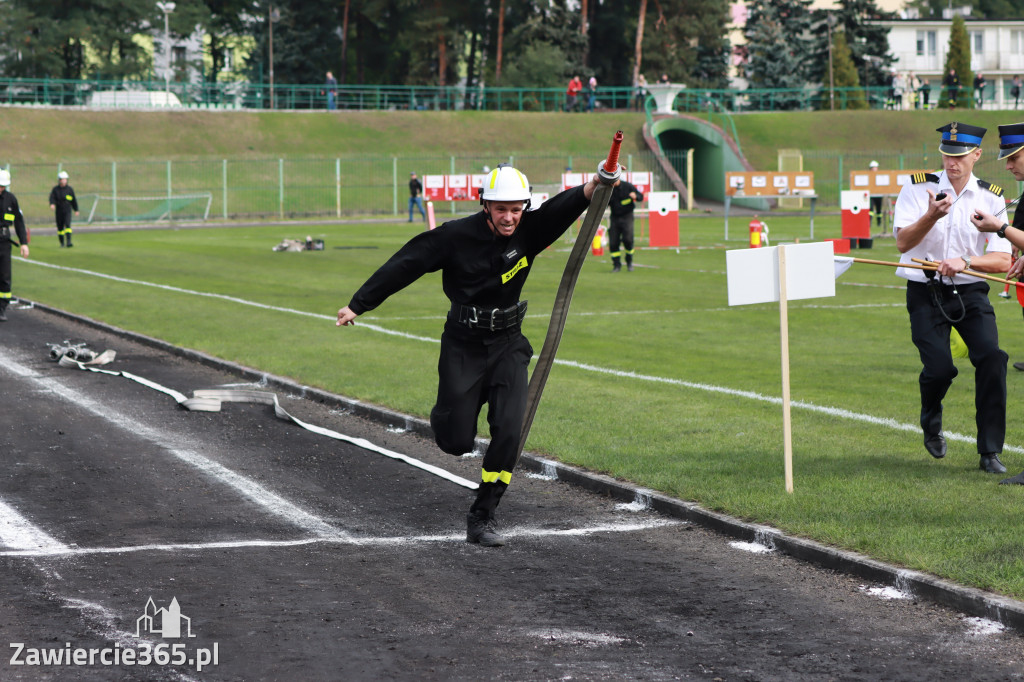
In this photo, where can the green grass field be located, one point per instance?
(671, 388)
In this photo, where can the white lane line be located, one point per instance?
(167, 440)
(751, 395)
(886, 422)
(338, 539)
(19, 533)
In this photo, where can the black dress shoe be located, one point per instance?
(936, 446)
(991, 464)
(1019, 366)
(1013, 480)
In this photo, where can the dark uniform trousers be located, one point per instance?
(930, 332)
(473, 371)
(620, 229)
(5, 266)
(876, 210)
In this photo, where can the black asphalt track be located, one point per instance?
(298, 557)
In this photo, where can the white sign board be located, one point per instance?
(753, 274)
(663, 202)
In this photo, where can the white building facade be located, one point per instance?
(997, 51)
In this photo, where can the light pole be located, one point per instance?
(831, 77)
(167, 8)
(272, 16)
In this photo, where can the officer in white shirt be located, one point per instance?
(932, 222)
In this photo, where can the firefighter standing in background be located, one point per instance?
(624, 199)
(10, 218)
(62, 202)
(484, 260)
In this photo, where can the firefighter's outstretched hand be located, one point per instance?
(24, 250)
(345, 317)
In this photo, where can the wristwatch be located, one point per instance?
(967, 261)
(1002, 230)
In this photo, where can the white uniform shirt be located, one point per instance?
(953, 235)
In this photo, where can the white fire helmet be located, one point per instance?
(505, 183)
(63, 175)
(873, 164)
(5, 178)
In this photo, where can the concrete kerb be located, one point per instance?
(968, 600)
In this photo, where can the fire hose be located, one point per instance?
(607, 173)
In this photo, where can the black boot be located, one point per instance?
(629, 262)
(3, 310)
(480, 530)
(61, 240)
(616, 264)
(69, 240)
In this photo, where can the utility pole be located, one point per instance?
(167, 8)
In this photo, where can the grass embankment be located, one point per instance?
(666, 347)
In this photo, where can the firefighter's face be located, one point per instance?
(504, 216)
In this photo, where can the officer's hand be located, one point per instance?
(77, 213)
(1015, 269)
(345, 317)
(52, 207)
(590, 187)
(985, 222)
(24, 250)
(941, 207)
(951, 266)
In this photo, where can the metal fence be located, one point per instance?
(246, 95)
(226, 189)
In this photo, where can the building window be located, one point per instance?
(977, 43)
(926, 42)
(1016, 42)
(179, 54)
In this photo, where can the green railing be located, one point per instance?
(244, 95)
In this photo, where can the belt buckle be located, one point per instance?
(472, 320)
(494, 313)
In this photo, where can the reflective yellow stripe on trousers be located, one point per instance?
(494, 476)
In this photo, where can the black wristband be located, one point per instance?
(1002, 231)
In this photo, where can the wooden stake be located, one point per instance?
(787, 425)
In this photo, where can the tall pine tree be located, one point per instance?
(867, 41)
(958, 58)
(779, 47)
(844, 75)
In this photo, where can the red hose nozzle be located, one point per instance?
(612, 163)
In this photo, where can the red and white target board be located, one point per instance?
(459, 187)
(856, 207)
(663, 218)
(642, 180)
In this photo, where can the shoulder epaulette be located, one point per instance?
(918, 178)
(995, 189)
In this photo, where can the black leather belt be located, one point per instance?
(496, 319)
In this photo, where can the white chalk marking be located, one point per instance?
(342, 539)
(269, 501)
(18, 533)
(983, 627)
(886, 593)
(642, 502)
(751, 395)
(579, 637)
(752, 547)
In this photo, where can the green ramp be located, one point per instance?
(714, 154)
